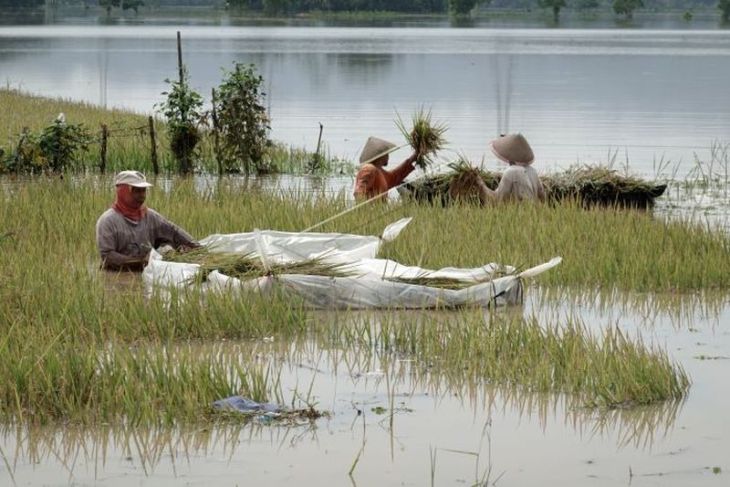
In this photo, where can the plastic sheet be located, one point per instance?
(370, 282)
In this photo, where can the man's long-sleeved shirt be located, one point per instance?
(121, 240)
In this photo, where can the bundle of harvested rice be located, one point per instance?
(246, 267)
(425, 137)
(467, 184)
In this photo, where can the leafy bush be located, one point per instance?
(462, 7)
(53, 150)
(627, 7)
(182, 109)
(242, 121)
(724, 6)
(555, 5)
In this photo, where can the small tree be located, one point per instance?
(123, 4)
(627, 7)
(60, 141)
(461, 8)
(556, 5)
(724, 6)
(243, 124)
(182, 109)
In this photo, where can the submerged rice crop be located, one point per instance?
(607, 371)
(79, 346)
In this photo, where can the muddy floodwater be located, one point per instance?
(441, 431)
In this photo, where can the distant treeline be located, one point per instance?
(464, 6)
(21, 3)
(420, 6)
(284, 7)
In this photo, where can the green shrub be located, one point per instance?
(182, 109)
(242, 121)
(52, 150)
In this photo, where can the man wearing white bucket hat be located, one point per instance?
(126, 232)
(372, 180)
(519, 181)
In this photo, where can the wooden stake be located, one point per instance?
(216, 141)
(104, 138)
(153, 146)
(317, 160)
(179, 58)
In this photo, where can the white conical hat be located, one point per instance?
(513, 148)
(376, 148)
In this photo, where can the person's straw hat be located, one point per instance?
(132, 178)
(375, 148)
(513, 148)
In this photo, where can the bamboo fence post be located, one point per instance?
(104, 138)
(179, 57)
(153, 146)
(216, 141)
(317, 159)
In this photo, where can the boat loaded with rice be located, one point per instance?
(589, 185)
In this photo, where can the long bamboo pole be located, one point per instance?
(360, 205)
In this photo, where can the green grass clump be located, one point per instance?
(612, 371)
(85, 383)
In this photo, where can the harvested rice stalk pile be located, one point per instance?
(425, 137)
(591, 185)
(444, 282)
(248, 266)
(596, 182)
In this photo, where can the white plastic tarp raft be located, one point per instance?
(370, 282)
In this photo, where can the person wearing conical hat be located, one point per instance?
(372, 180)
(519, 181)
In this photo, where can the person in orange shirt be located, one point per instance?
(372, 180)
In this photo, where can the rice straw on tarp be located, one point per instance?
(425, 137)
(250, 266)
(445, 282)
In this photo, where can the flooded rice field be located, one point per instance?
(651, 99)
(393, 422)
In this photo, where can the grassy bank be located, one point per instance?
(73, 350)
(128, 137)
